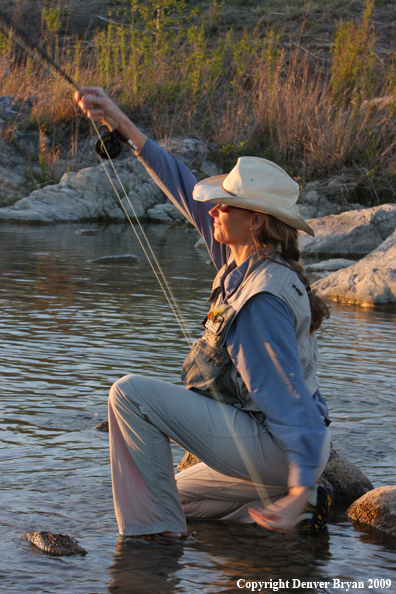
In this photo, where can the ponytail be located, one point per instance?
(275, 237)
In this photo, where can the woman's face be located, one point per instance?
(232, 228)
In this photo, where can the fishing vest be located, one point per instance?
(208, 366)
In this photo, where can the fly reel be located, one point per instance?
(108, 145)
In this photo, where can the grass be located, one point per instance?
(228, 74)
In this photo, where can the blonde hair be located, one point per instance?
(275, 237)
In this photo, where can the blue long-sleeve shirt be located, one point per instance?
(261, 337)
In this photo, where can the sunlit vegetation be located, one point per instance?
(249, 90)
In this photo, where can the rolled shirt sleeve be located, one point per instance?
(262, 344)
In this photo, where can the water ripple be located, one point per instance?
(68, 330)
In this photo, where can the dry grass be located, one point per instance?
(245, 93)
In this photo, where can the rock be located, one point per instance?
(54, 544)
(347, 481)
(337, 187)
(188, 460)
(377, 508)
(89, 195)
(210, 169)
(158, 215)
(344, 480)
(200, 243)
(390, 242)
(165, 213)
(172, 211)
(313, 205)
(189, 150)
(370, 282)
(87, 232)
(120, 259)
(135, 202)
(330, 265)
(351, 234)
(12, 110)
(312, 197)
(307, 212)
(103, 426)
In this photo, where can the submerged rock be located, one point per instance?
(377, 509)
(121, 259)
(54, 544)
(87, 232)
(103, 426)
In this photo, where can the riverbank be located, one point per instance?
(355, 249)
(308, 85)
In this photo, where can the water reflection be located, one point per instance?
(224, 554)
(68, 329)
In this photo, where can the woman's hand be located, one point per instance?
(281, 516)
(97, 105)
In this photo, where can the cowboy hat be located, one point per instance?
(255, 184)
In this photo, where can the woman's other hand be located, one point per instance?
(282, 516)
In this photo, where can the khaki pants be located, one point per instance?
(144, 413)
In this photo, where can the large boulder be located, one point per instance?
(352, 234)
(377, 508)
(370, 282)
(345, 480)
(89, 195)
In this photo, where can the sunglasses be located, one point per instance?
(224, 207)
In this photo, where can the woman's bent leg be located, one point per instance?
(208, 494)
(143, 413)
(144, 490)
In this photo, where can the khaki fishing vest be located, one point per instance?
(209, 365)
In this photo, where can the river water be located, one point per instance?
(68, 329)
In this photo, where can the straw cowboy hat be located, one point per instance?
(255, 184)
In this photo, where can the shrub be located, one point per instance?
(354, 61)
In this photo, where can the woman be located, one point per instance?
(251, 409)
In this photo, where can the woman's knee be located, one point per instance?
(119, 390)
(129, 388)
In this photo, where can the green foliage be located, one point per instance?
(353, 66)
(5, 46)
(229, 153)
(52, 24)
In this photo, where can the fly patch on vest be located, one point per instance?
(208, 357)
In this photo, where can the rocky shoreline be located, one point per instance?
(353, 252)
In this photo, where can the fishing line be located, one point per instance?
(47, 62)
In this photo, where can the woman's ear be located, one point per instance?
(258, 219)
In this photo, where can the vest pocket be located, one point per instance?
(204, 365)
